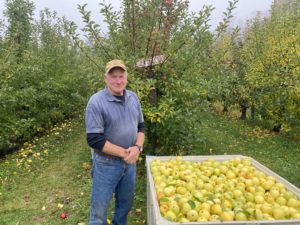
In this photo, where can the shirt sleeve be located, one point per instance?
(94, 119)
(141, 127)
(96, 140)
(141, 116)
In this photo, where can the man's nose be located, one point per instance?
(118, 80)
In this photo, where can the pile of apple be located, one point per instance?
(210, 190)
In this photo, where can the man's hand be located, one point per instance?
(133, 155)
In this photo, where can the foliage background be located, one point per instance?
(48, 70)
(44, 78)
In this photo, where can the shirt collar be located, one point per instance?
(112, 98)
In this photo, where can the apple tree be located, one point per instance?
(143, 31)
(271, 51)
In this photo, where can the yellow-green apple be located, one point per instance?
(281, 200)
(216, 209)
(278, 214)
(292, 202)
(185, 208)
(240, 216)
(192, 215)
(169, 191)
(170, 215)
(202, 219)
(227, 216)
(296, 216)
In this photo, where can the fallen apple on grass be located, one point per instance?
(63, 215)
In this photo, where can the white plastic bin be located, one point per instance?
(153, 213)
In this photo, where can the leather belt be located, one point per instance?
(99, 152)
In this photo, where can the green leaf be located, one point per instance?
(192, 204)
(164, 199)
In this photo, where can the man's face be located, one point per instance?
(116, 81)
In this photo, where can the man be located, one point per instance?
(115, 130)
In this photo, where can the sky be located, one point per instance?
(246, 9)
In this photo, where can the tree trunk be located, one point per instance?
(252, 112)
(153, 99)
(277, 128)
(209, 99)
(225, 108)
(244, 112)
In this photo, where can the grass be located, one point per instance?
(51, 175)
(225, 135)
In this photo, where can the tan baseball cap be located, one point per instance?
(114, 63)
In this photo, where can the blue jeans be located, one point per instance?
(111, 175)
